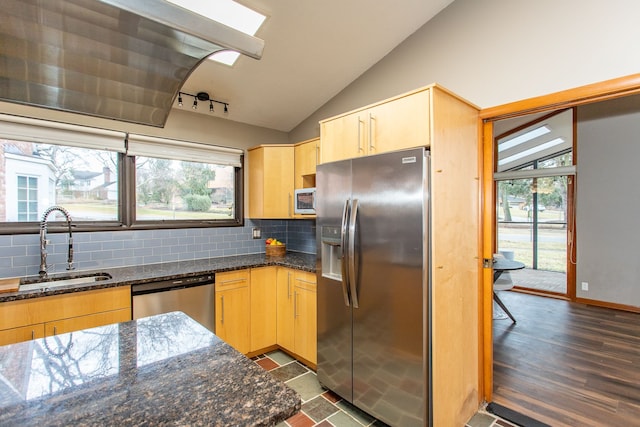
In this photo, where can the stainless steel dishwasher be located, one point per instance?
(193, 296)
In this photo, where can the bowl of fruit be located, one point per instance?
(274, 247)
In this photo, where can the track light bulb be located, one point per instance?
(180, 100)
(211, 106)
(195, 104)
(226, 108)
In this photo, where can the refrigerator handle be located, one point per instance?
(343, 247)
(352, 249)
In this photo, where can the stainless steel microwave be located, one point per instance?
(305, 201)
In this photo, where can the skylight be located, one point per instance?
(528, 136)
(532, 150)
(229, 13)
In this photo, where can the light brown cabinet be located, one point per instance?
(45, 316)
(305, 316)
(271, 184)
(263, 307)
(233, 309)
(307, 157)
(284, 312)
(394, 124)
(296, 314)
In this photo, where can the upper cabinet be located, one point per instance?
(307, 157)
(394, 124)
(275, 171)
(271, 181)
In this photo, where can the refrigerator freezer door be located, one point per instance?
(390, 374)
(333, 190)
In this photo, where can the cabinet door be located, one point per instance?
(23, 333)
(398, 124)
(284, 312)
(84, 322)
(233, 309)
(271, 182)
(305, 316)
(263, 307)
(343, 137)
(307, 155)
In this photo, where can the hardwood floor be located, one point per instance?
(568, 364)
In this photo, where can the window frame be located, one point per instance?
(127, 199)
(129, 195)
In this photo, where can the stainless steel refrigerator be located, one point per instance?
(372, 225)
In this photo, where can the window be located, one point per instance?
(27, 198)
(123, 181)
(82, 180)
(182, 190)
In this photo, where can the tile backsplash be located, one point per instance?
(20, 253)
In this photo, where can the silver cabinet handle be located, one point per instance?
(33, 334)
(224, 282)
(55, 330)
(222, 309)
(295, 304)
(288, 285)
(372, 118)
(317, 154)
(360, 147)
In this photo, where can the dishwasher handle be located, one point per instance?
(170, 285)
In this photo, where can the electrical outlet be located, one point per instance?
(585, 286)
(257, 233)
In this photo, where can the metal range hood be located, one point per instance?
(118, 59)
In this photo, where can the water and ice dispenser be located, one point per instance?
(331, 252)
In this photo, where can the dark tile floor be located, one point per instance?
(322, 408)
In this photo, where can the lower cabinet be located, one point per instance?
(296, 314)
(263, 307)
(46, 316)
(305, 316)
(284, 312)
(259, 308)
(233, 305)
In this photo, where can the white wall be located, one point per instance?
(493, 52)
(608, 201)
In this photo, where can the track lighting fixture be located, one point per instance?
(202, 96)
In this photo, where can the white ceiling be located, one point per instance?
(313, 49)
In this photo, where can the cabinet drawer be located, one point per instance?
(232, 279)
(23, 333)
(305, 280)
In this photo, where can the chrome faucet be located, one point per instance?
(44, 241)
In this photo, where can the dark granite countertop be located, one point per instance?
(166, 271)
(161, 370)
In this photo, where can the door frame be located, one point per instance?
(602, 91)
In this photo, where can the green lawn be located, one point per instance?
(552, 247)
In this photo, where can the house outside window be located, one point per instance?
(27, 198)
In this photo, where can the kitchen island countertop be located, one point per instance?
(159, 370)
(121, 276)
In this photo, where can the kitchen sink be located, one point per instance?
(56, 282)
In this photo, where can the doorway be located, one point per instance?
(493, 119)
(533, 181)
